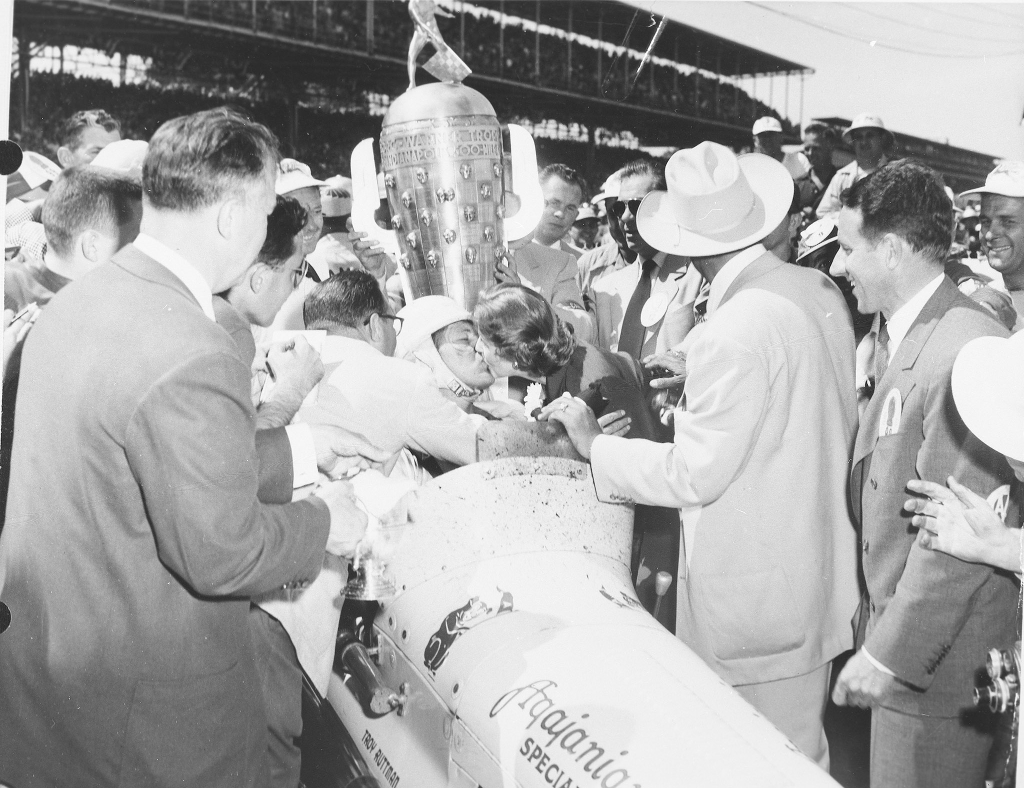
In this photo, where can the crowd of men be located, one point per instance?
(839, 471)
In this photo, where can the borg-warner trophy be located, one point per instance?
(456, 198)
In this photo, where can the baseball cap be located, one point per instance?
(767, 123)
(293, 175)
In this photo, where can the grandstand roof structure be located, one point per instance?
(557, 59)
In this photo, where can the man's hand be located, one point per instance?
(338, 450)
(960, 522)
(673, 362)
(615, 423)
(296, 367)
(577, 418)
(861, 683)
(503, 272)
(348, 521)
(372, 257)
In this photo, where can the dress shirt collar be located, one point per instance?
(732, 269)
(658, 260)
(903, 318)
(181, 268)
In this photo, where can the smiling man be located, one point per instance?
(1002, 228)
(929, 617)
(84, 135)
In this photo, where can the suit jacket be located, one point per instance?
(678, 282)
(931, 617)
(129, 661)
(767, 582)
(553, 274)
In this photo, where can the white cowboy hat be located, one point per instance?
(423, 317)
(1007, 180)
(293, 175)
(716, 202)
(988, 388)
(866, 121)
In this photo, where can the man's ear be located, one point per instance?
(375, 328)
(894, 249)
(88, 244)
(227, 214)
(64, 156)
(257, 277)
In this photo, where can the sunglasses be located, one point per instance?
(619, 207)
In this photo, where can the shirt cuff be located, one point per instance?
(304, 470)
(876, 663)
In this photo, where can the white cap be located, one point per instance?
(585, 212)
(124, 157)
(1007, 180)
(293, 175)
(767, 123)
(336, 196)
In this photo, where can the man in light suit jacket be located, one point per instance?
(663, 313)
(128, 659)
(767, 584)
(930, 617)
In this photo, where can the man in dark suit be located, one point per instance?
(929, 617)
(134, 535)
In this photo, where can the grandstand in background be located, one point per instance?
(566, 69)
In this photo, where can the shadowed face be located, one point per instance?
(561, 204)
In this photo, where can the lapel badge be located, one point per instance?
(892, 411)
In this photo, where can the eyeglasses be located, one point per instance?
(619, 207)
(298, 274)
(397, 321)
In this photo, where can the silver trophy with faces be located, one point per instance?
(456, 194)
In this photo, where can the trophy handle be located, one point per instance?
(525, 183)
(366, 198)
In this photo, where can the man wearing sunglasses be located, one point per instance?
(647, 307)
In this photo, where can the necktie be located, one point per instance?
(700, 304)
(631, 337)
(881, 350)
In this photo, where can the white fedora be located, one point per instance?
(716, 202)
(988, 387)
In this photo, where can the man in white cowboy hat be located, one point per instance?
(767, 133)
(767, 579)
(1002, 228)
(871, 142)
(928, 618)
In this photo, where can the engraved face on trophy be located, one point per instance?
(471, 255)
(421, 175)
(470, 213)
(403, 259)
(389, 181)
(485, 191)
(449, 236)
(411, 240)
(406, 199)
(426, 218)
(496, 168)
(489, 234)
(433, 258)
(396, 222)
(465, 171)
(445, 195)
(499, 211)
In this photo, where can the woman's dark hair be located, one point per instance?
(524, 329)
(283, 227)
